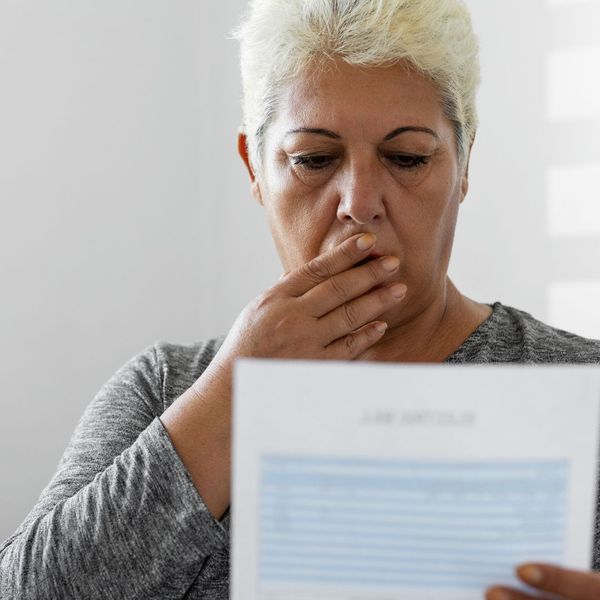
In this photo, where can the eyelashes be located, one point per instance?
(408, 161)
(312, 162)
(319, 162)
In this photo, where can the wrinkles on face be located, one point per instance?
(315, 159)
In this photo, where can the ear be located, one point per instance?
(243, 152)
(465, 174)
(464, 184)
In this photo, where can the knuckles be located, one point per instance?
(350, 345)
(338, 289)
(350, 316)
(264, 302)
(316, 270)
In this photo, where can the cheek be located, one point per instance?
(443, 221)
(297, 218)
(427, 223)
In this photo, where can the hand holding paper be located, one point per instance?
(564, 583)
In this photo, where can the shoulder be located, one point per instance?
(544, 343)
(518, 334)
(539, 342)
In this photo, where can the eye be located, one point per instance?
(408, 161)
(312, 162)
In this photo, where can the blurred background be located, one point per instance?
(126, 216)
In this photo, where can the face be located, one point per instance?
(364, 150)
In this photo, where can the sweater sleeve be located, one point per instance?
(121, 517)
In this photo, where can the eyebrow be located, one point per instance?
(317, 130)
(389, 136)
(400, 130)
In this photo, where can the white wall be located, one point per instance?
(116, 131)
(126, 216)
(526, 235)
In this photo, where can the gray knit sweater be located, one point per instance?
(121, 518)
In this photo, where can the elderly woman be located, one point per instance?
(359, 121)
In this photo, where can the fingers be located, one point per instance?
(363, 310)
(321, 268)
(348, 285)
(355, 343)
(500, 593)
(557, 581)
(347, 301)
(568, 583)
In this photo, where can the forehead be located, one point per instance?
(349, 100)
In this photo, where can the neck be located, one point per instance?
(432, 334)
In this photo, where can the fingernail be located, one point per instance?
(498, 594)
(531, 574)
(390, 263)
(381, 327)
(366, 241)
(398, 290)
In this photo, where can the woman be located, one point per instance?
(359, 121)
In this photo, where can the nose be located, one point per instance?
(361, 198)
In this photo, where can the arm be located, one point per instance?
(121, 518)
(326, 309)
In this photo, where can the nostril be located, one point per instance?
(347, 218)
(355, 216)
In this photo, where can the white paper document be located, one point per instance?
(387, 481)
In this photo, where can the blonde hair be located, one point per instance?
(281, 38)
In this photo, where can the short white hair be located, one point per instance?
(281, 38)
